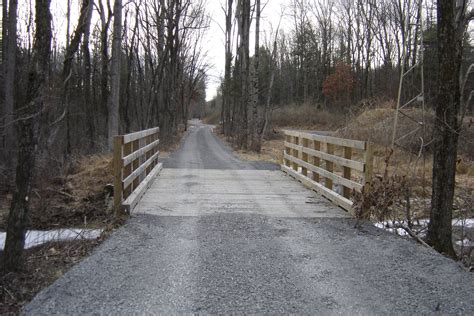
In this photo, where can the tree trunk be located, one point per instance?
(4, 32)
(270, 84)
(71, 48)
(446, 128)
(28, 130)
(104, 52)
(113, 121)
(88, 104)
(244, 71)
(256, 144)
(9, 82)
(226, 98)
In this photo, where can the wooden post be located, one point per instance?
(304, 156)
(295, 153)
(316, 160)
(367, 181)
(287, 151)
(329, 165)
(347, 171)
(118, 176)
(127, 170)
(368, 165)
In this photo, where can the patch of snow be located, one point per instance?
(467, 222)
(423, 222)
(38, 237)
(466, 243)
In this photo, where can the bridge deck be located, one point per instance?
(195, 192)
(241, 240)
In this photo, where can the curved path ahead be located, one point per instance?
(216, 235)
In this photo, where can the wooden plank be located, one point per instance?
(331, 195)
(118, 166)
(357, 144)
(131, 202)
(135, 164)
(347, 171)
(316, 160)
(304, 155)
(295, 153)
(286, 150)
(368, 164)
(142, 151)
(127, 181)
(329, 165)
(316, 153)
(328, 175)
(127, 170)
(141, 134)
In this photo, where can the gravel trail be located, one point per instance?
(232, 263)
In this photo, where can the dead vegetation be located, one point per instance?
(73, 195)
(42, 266)
(305, 116)
(77, 196)
(401, 188)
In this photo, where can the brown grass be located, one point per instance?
(375, 124)
(75, 198)
(166, 148)
(305, 117)
(42, 266)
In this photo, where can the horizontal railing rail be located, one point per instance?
(326, 165)
(135, 166)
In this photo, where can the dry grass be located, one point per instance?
(375, 124)
(306, 116)
(166, 148)
(212, 117)
(42, 266)
(75, 197)
(272, 151)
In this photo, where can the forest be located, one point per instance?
(76, 73)
(336, 56)
(69, 86)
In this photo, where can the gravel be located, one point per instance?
(229, 263)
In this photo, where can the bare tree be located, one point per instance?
(244, 71)
(113, 120)
(28, 118)
(255, 141)
(226, 112)
(452, 21)
(9, 79)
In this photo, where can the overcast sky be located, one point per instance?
(215, 37)
(213, 41)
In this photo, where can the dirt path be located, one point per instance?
(202, 150)
(190, 248)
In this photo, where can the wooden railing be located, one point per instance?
(135, 167)
(331, 166)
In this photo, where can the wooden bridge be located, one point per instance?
(217, 235)
(332, 167)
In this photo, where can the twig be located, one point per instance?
(413, 235)
(9, 293)
(62, 193)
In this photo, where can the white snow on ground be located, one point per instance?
(466, 222)
(421, 225)
(466, 242)
(39, 237)
(389, 227)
